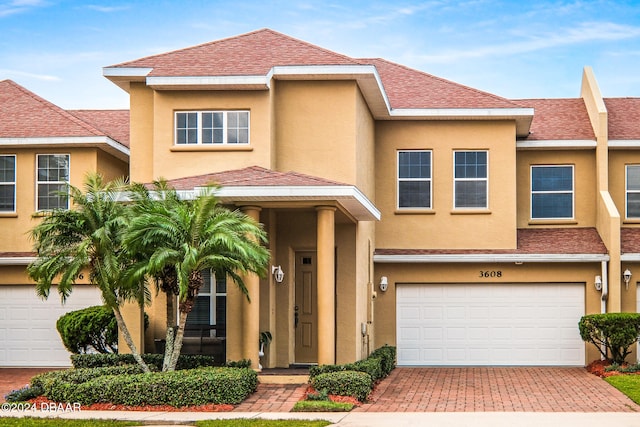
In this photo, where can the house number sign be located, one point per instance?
(485, 274)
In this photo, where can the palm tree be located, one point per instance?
(175, 239)
(88, 238)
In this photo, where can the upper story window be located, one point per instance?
(52, 181)
(470, 178)
(212, 127)
(414, 179)
(552, 192)
(633, 191)
(7, 183)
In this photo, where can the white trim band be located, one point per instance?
(489, 258)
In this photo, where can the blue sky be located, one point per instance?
(515, 49)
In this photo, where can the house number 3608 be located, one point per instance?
(490, 273)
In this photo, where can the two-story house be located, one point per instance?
(42, 149)
(401, 208)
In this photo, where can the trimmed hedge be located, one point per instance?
(185, 361)
(378, 365)
(177, 388)
(617, 332)
(387, 356)
(89, 328)
(346, 383)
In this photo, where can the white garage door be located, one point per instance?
(502, 324)
(28, 335)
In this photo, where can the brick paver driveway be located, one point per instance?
(535, 389)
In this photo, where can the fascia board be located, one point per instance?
(630, 257)
(218, 82)
(624, 143)
(463, 113)
(558, 144)
(17, 260)
(120, 150)
(134, 72)
(489, 258)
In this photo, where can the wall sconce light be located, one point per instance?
(627, 277)
(278, 274)
(384, 283)
(598, 283)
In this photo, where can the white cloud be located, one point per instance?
(14, 7)
(16, 73)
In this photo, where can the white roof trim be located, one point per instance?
(255, 82)
(17, 260)
(489, 258)
(630, 257)
(462, 113)
(624, 143)
(558, 143)
(126, 71)
(66, 141)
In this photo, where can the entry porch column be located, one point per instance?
(326, 285)
(251, 309)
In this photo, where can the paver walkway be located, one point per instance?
(480, 389)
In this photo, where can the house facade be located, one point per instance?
(401, 208)
(42, 149)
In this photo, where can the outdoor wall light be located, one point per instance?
(384, 283)
(627, 277)
(598, 283)
(278, 274)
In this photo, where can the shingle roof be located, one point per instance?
(630, 240)
(23, 114)
(559, 119)
(409, 88)
(530, 241)
(114, 123)
(256, 53)
(251, 176)
(624, 118)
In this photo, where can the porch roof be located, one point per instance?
(17, 258)
(256, 184)
(533, 245)
(630, 244)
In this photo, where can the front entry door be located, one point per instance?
(305, 309)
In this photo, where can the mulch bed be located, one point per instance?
(598, 368)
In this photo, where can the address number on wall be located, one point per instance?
(485, 274)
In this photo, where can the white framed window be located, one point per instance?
(414, 179)
(211, 127)
(632, 186)
(7, 183)
(52, 181)
(552, 192)
(209, 313)
(471, 179)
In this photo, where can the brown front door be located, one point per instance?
(305, 309)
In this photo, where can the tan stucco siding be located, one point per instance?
(316, 129)
(111, 168)
(584, 181)
(141, 133)
(494, 227)
(365, 148)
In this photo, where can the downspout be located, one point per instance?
(603, 299)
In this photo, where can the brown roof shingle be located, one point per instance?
(530, 241)
(624, 118)
(115, 123)
(630, 240)
(559, 119)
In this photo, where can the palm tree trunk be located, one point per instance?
(177, 344)
(168, 348)
(127, 338)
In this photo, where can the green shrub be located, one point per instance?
(90, 328)
(23, 394)
(186, 361)
(616, 332)
(345, 383)
(318, 395)
(242, 363)
(177, 388)
(387, 356)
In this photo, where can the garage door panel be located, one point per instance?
(498, 324)
(28, 332)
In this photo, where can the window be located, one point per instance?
(7, 183)
(633, 191)
(209, 313)
(52, 181)
(470, 179)
(551, 192)
(414, 179)
(212, 127)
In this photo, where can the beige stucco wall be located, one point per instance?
(492, 228)
(583, 162)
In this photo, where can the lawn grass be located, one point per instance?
(321, 406)
(56, 422)
(628, 384)
(256, 422)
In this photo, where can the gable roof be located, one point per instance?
(624, 118)
(559, 119)
(114, 123)
(27, 119)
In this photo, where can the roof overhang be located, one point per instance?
(366, 76)
(630, 257)
(488, 258)
(17, 260)
(624, 143)
(102, 142)
(559, 144)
